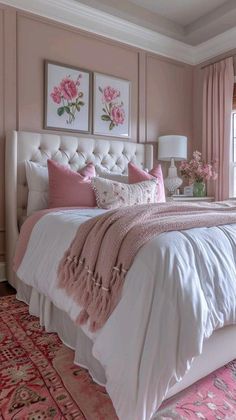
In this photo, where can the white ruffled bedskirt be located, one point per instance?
(56, 320)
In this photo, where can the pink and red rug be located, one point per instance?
(38, 379)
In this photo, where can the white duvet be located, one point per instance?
(180, 288)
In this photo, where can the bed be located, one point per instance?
(113, 155)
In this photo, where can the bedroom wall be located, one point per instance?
(161, 93)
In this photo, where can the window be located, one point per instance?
(233, 157)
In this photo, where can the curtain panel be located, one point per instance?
(218, 88)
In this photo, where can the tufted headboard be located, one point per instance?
(73, 150)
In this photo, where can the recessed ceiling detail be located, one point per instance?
(190, 21)
(183, 12)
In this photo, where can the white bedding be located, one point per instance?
(180, 288)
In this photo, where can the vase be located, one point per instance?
(199, 189)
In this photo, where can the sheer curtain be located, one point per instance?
(217, 106)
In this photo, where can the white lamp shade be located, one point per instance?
(172, 146)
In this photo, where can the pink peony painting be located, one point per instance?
(67, 98)
(111, 106)
(113, 109)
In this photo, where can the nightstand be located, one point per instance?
(184, 198)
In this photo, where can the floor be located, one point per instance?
(211, 398)
(6, 289)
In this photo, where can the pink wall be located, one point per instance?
(161, 93)
(169, 97)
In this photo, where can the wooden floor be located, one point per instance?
(6, 289)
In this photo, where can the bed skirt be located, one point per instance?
(56, 320)
(218, 350)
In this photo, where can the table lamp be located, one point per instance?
(171, 148)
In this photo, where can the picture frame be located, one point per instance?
(68, 98)
(111, 106)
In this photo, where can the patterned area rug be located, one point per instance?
(38, 379)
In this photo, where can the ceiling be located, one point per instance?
(190, 21)
(182, 12)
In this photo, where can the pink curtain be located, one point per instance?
(217, 106)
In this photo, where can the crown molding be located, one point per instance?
(87, 18)
(78, 15)
(216, 46)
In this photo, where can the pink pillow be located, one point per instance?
(68, 188)
(88, 171)
(138, 175)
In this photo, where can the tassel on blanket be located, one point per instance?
(85, 287)
(69, 270)
(82, 318)
(105, 300)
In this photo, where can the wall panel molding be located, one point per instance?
(9, 72)
(2, 132)
(10, 69)
(142, 66)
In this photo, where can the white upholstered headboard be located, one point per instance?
(74, 151)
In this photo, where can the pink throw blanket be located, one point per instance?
(94, 267)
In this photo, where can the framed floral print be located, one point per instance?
(67, 98)
(111, 107)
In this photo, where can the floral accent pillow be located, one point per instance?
(112, 194)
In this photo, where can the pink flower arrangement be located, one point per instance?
(196, 170)
(68, 95)
(113, 110)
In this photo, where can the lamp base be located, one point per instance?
(172, 182)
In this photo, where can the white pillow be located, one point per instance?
(112, 194)
(37, 180)
(113, 176)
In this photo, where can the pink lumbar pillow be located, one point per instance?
(137, 174)
(68, 188)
